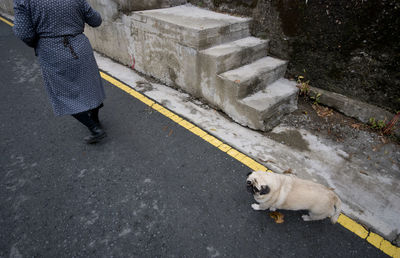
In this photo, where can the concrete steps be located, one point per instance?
(212, 56)
(236, 53)
(255, 76)
(260, 93)
(269, 105)
(225, 57)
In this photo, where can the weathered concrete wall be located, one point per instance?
(7, 6)
(114, 37)
(349, 47)
(163, 58)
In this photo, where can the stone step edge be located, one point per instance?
(191, 26)
(233, 27)
(266, 113)
(274, 99)
(239, 44)
(254, 76)
(234, 54)
(145, 15)
(196, 39)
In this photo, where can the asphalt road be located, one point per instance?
(151, 189)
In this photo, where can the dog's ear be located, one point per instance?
(264, 190)
(249, 173)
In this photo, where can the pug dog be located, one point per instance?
(275, 191)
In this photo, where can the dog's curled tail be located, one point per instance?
(338, 208)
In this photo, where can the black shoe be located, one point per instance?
(97, 134)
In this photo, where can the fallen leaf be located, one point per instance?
(289, 171)
(237, 81)
(332, 189)
(363, 172)
(268, 161)
(369, 158)
(356, 126)
(383, 140)
(277, 216)
(213, 129)
(322, 111)
(165, 128)
(170, 132)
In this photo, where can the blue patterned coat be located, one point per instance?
(54, 28)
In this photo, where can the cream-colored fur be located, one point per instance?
(291, 193)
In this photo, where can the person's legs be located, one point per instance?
(94, 113)
(97, 133)
(84, 118)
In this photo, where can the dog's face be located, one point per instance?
(255, 185)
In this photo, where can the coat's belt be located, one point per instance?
(66, 43)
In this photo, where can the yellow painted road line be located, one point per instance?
(6, 21)
(374, 239)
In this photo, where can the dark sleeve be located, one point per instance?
(23, 27)
(91, 16)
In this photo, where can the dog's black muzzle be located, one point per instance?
(251, 188)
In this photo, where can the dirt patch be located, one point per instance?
(376, 151)
(330, 123)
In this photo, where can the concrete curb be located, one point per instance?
(353, 108)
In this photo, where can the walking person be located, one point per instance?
(54, 28)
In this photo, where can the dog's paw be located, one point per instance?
(306, 218)
(255, 206)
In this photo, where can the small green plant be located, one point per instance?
(316, 98)
(304, 86)
(377, 124)
(305, 90)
